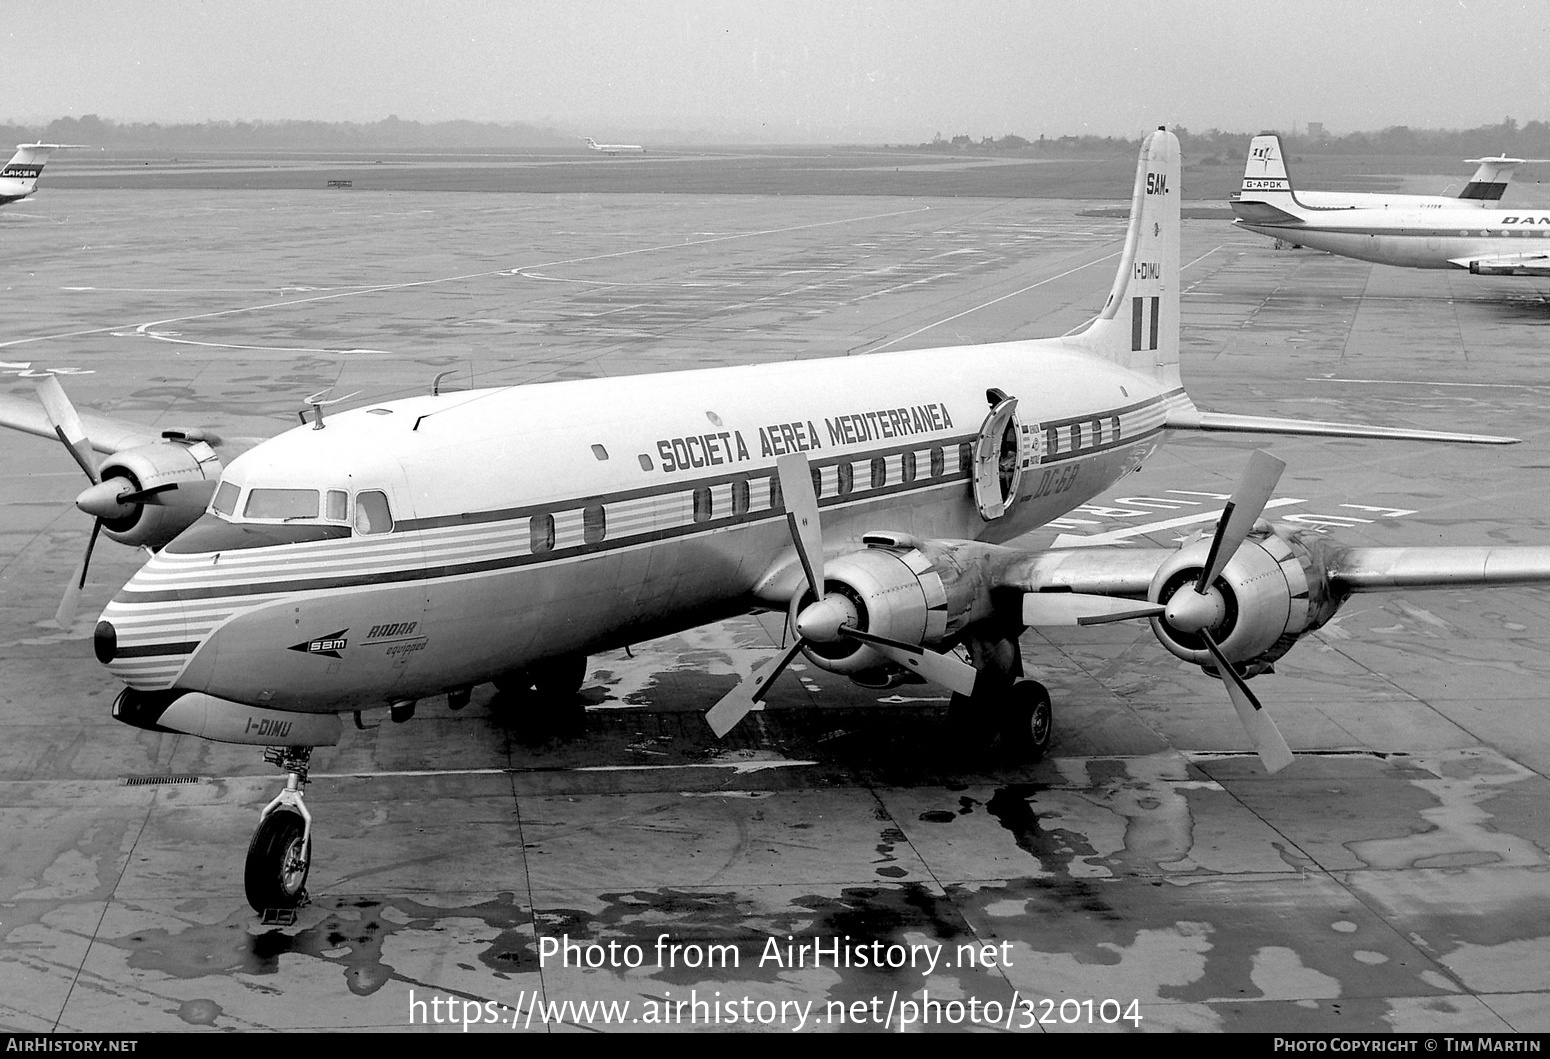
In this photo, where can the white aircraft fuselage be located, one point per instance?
(574, 517)
(1412, 238)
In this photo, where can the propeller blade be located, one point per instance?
(1263, 733)
(67, 424)
(1242, 511)
(796, 490)
(65, 615)
(945, 670)
(735, 704)
(1049, 609)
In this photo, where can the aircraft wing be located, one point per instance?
(1086, 585)
(107, 435)
(1530, 263)
(1381, 569)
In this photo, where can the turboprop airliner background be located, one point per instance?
(1265, 170)
(412, 549)
(1411, 231)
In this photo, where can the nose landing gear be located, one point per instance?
(280, 853)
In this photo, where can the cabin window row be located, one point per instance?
(738, 493)
(1076, 437)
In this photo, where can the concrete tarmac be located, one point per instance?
(1148, 875)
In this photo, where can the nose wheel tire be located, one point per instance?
(278, 861)
(1029, 721)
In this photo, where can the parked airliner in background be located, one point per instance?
(615, 148)
(1412, 231)
(364, 560)
(19, 178)
(1265, 170)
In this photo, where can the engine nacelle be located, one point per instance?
(193, 468)
(917, 593)
(1273, 591)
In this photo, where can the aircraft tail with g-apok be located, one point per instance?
(364, 560)
(1410, 231)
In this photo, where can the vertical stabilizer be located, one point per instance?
(1139, 324)
(1490, 181)
(1265, 178)
(19, 178)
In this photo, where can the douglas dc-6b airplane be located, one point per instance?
(364, 560)
(615, 148)
(1413, 231)
(19, 178)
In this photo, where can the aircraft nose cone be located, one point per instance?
(101, 499)
(1189, 611)
(821, 621)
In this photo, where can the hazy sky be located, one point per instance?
(787, 69)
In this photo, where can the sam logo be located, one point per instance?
(1148, 270)
(398, 628)
(329, 645)
(1157, 183)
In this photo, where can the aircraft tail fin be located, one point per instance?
(27, 163)
(1139, 324)
(1491, 179)
(1265, 179)
(1266, 195)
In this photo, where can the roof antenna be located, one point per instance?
(436, 382)
(318, 404)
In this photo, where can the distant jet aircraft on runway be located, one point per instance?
(1411, 231)
(615, 148)
(412, 549)
(19, 178)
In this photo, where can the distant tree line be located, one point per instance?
(1530, 140)
(391, 132)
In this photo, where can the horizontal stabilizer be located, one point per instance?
(1262, 213)
(1190, 418)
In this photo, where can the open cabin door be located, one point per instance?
(1003, 449)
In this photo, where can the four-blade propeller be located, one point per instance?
(1195, 609)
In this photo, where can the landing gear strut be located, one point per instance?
(280, 853)
(1003, 706)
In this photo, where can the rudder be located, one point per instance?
(1139, 324)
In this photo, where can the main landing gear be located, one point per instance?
(281, 850)
(1004, 707)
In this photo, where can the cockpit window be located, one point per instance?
(371, 513)
(225, 501)
(281, 503)
(336, 503)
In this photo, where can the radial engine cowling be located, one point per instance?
(192, 468)
(915, 593)
(1272, 591)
